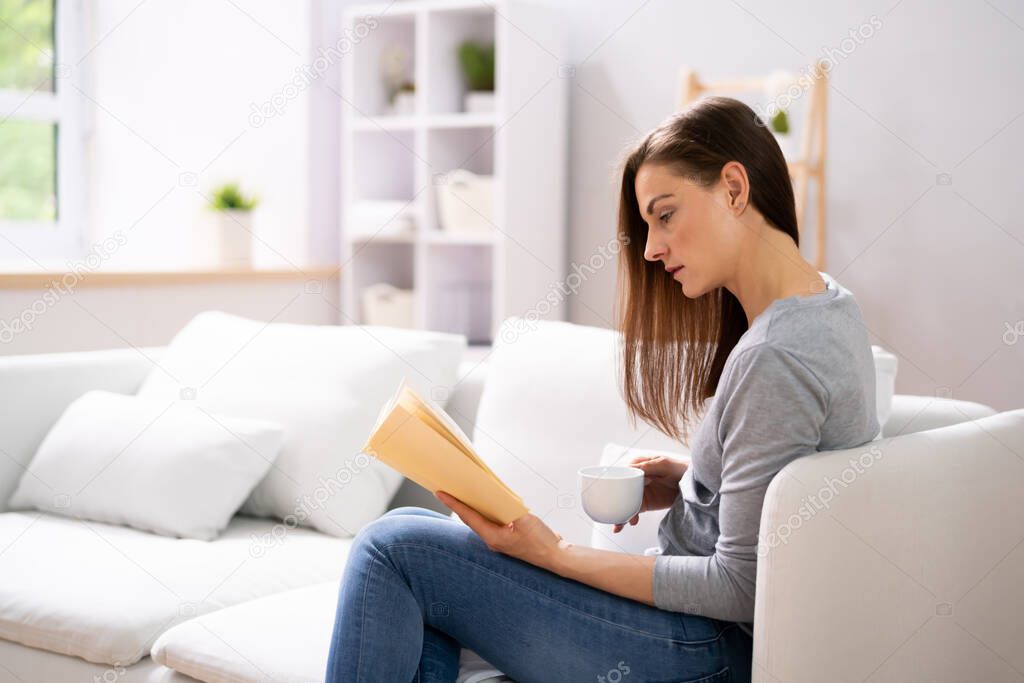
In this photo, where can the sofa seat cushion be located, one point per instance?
(283, 637)
(105, 593)
(21, 664)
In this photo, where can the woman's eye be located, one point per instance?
(665, 216)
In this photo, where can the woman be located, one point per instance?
(722, 320)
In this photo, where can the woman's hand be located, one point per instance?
(661, 483)
(527, 538)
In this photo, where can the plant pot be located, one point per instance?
(404, 104)
(478, 101)
(234, 238)
(388, 306)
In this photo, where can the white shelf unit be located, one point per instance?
(466, 283)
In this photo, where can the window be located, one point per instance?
(40, 132)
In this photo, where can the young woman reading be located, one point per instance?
(724, 326)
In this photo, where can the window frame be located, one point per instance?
(34, 243)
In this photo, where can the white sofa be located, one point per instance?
(912, 574)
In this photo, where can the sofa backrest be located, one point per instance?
(35, 390)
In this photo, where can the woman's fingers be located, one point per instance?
(633, 522)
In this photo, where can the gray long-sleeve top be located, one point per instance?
(801, 379)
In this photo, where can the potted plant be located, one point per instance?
(779, 88)
(780, 127)
(234, 225)
(395, 66)
(477, 61)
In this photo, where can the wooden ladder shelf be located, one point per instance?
(810, 163)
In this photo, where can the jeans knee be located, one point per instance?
(405, 510)
(392, 527)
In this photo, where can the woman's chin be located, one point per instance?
(684, 287)
(692, 290)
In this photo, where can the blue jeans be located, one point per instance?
(418, 586)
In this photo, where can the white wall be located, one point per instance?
(173, 85)
(938, 270)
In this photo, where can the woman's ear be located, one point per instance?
(734, 179)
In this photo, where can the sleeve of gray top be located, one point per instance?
(774, 407)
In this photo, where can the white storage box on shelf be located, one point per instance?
(387, 305)
(465, 203)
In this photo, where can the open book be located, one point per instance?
(416, 437)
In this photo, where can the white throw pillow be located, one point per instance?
(635, 540)
(325, 384)
(158, 465)
(549, 406)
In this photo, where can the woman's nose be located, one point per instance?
(653, 251)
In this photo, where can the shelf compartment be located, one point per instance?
(446, 30)
(377, 261)
(373, 35)
(383, 165)
(471, 149)
(468, 148)
(458, 288)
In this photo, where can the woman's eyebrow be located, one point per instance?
(650, 204)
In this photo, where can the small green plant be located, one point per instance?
(477, 60)
(229, 198)
(780, 122)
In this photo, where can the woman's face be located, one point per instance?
(688, 226)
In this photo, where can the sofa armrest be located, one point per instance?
(35, 389)
(912, 413)
(874, 561)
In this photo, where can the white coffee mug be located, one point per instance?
(612, 494)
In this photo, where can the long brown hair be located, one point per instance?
(673, 347)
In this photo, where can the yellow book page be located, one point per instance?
(438, 420)
(427, 457)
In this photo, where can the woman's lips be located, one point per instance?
(673, 271)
